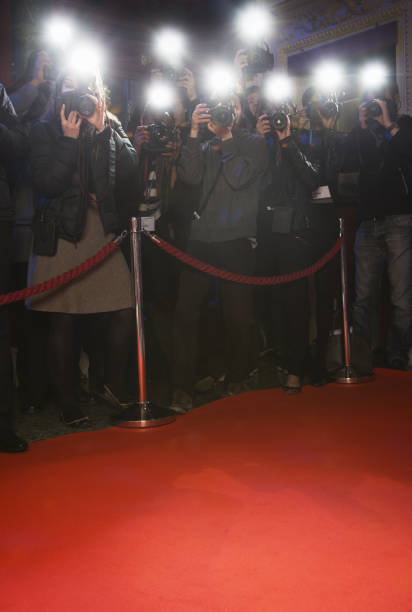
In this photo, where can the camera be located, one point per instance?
(222, 114)
(162, 131)
(328, 108)
(278, 120)
(78, 101)
(171, 74)
(260, 59)
(372, 109)
(49, 73)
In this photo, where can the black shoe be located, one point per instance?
(397, 364)
(320, 379)
(11, 443)
(181, 402)
(72, 415)
(234, 388)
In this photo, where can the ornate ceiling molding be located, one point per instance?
(363, 15)
(303, 19)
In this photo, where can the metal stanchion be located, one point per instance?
(347, 375)
(143, 414)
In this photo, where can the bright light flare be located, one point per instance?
(85, 59)
(329, 76)
(59, 32)
(220, 80)
(160, 96)
(373, 76)
(170, 46)
(254, 23)
(278, 88)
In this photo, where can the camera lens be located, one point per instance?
(85, 106)
(279, 121)
(329, 109)
(222, 115)
(373, 109)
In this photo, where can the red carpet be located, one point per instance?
(259, 502)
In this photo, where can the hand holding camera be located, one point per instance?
(188, 82)
(285, 132)
(41, 68)
(71, 125)
(263, 127)
(200, 117)
(141, 137)
(97, 117)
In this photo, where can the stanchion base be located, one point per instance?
(145, 415)
(349, 376)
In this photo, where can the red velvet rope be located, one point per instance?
(62, 279)
(242, 278)
(98, 257)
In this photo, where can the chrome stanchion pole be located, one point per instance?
(346, 375)
(143, 414)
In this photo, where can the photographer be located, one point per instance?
(13, 145)
(287, 239)
(380, 148)
(321, 142)
(29, 95)
(81, 159)
(229, 169)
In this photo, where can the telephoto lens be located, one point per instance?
(373, 109)
(222, 115)
(278, 121)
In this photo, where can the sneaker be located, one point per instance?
(181, 402)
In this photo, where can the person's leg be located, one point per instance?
(398, 239)
(370, 261)
(9, 442)
(193, 289)
(293, 253)
(119, 343)
(238, 310)
(62, 356)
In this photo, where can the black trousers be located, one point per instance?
(6, 229)
(237, 311)
(287, 253)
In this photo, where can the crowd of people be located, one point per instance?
(225, 183)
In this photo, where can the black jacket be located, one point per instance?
(385, 167)
(13, 147)
(285, 202)
(66, 170)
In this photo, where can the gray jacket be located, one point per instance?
(231, 209)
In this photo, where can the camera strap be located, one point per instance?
(198, 213)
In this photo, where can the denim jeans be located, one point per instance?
(384, 247)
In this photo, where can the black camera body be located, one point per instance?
(328, 108)
(260, 59)
(77, 100)
(162, 131)
(49, 73)
(373, 109)
(278, 119)
(222, 114)
(172, 74)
